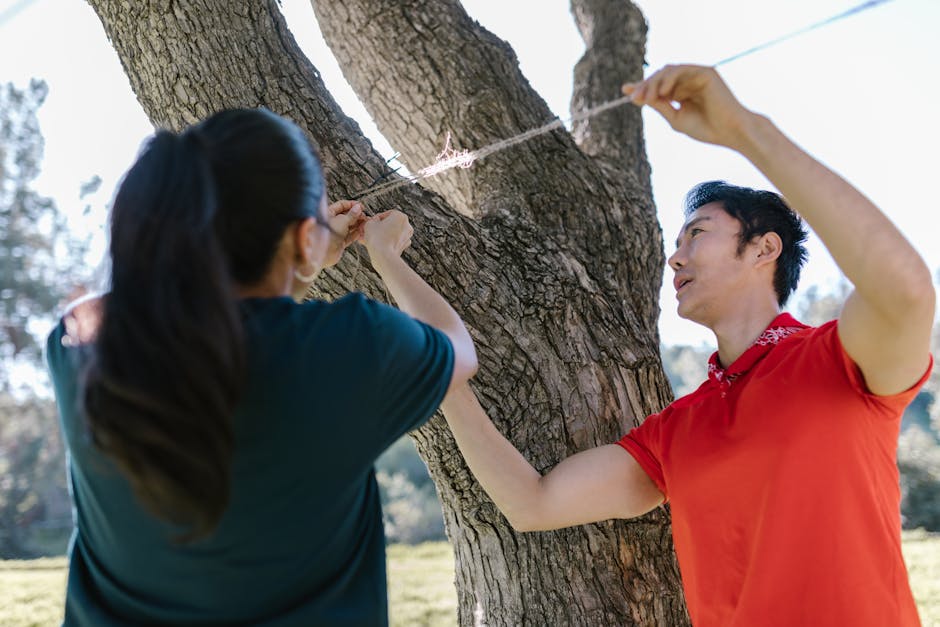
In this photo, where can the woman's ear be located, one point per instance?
(303, 242)
(769, 247)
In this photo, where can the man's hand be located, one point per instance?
(695, 101)
(347, 222)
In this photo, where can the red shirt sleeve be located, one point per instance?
(643, 443)
(895, 403)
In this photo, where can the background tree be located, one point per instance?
(29, 224)
(919, 454)
(39, 264)
(35, 511)
(411, 509)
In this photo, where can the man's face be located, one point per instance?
(709, 274)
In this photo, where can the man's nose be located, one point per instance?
(676, 260)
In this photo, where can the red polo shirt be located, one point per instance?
(783, 480)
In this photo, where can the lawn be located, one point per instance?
(420, 585)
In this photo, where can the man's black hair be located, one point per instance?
(759, 212)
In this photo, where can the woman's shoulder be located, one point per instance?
(355, 309)
(352, 313)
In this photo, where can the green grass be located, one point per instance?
(32, 591)
(922, 552)
(420, 585)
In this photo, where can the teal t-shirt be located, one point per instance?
(329, 387)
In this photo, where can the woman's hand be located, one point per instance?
(347, 221)
(387, 235)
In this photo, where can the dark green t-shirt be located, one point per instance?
(330, 386)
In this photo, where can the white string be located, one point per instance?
(451, 158)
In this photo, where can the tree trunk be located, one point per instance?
(550, 252)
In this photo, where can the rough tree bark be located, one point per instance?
(551, 251)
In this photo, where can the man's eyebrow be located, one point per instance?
(689, 225)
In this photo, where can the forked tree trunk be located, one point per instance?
(550, 251)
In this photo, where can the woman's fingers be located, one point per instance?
(342, 206)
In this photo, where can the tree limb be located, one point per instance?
(614, 33)
(426, 70)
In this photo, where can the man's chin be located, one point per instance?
(683, 312)
(688, 313)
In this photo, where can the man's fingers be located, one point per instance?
(667, 85)
(672, 82)
(639, 92)
(665, 109)
(651, 87)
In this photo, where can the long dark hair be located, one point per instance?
(197, 214)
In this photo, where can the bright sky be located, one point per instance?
(857, 94)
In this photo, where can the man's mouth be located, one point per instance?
(682, 284)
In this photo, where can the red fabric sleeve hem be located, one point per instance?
(646, 461)
(892, 401)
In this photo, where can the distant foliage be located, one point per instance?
(410, 506)
(919, 455)
(35, 511)
(38, 259)
(686, 366)
(817, 307)
(919, 462)
(39, 265)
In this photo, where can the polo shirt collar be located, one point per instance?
(782, 326)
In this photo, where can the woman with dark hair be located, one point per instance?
(221, 435)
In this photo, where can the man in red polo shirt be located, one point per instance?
(781, 467)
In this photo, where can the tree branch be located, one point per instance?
(426, 70)
(614, 33)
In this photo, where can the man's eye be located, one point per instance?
(695, 232)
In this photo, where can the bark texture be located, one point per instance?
(550, 251)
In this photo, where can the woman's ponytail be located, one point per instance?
(196, 215)
(169, 356)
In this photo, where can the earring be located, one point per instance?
(307, 278)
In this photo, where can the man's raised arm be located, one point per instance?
(886, 323)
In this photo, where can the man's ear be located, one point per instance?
(769, 247)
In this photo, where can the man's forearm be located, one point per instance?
(502, 471)
(599, 483)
